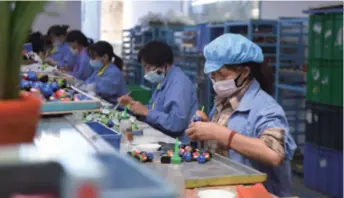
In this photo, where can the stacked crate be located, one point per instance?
(323, 158)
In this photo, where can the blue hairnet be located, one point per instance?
(230, 49)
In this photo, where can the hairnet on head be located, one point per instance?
(230, 49)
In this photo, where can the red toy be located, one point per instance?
(60, 93)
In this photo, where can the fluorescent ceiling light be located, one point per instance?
(203, 2)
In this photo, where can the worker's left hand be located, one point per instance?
(202, 130)
(138, 108)
(50, 61)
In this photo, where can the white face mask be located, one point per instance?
(225, 88)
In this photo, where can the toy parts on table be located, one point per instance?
(47, 90)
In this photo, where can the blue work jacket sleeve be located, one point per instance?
(69, 62)
(274, 117)
(179, 103)
(84, 69)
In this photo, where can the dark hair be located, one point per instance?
(79, 37)
(262, 73)
(36, 38)
(156, 53)
(58, 30)
(101, 48)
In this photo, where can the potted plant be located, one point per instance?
(19, 115)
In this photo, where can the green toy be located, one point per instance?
(176, 158)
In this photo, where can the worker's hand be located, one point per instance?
(202, 115)
(125, 100)
(202, 130)
(50, 61)
(138, 108)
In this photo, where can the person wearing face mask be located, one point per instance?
(60, 49)
(246, 124)
(107, 80)
(78, 60)
(174, 100)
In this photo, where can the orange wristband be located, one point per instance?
(230, 137)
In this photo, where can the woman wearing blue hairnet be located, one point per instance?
(246, 123)
(174, 101)
(78, 61)
(107, 80)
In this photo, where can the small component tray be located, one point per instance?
(55, 108)
(219, 171)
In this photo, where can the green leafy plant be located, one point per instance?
(16, 19)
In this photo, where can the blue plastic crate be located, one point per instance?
(109, 135)
(126, 178)
(323, 170)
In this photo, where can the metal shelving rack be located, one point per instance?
(135, 39)
(290, 78)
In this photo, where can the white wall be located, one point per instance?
(69, 14)
(90, 19)
(139, 8)
(276, 9)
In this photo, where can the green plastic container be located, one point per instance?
(140, 93)
(325, 81)
(326, 36)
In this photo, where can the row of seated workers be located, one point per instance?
(246, 124)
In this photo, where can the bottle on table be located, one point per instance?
(124, 126)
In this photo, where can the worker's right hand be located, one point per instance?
(125, 100)
(202, 115)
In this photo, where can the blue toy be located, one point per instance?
(150, 156)
(47, 91)
(187, 157)
(201, 159)
(32, 76)
(55, 86)
(37, 85)
(110, 124)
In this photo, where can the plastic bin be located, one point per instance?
(323, 170)
(324, 125)
(325, 81)
(326, 36)
(109, 135)
(140, 93)
(128, 179)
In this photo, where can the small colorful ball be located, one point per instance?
(201, 159)
(187, 157)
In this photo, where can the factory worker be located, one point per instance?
(174, 101)
(78, 60)
(246, 124)
(107, 80)
(60, 49)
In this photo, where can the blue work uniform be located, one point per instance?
(173, 104)
(110, 83)
(256, 112)
(80, 65)
(59, 54)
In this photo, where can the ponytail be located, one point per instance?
(118, 62)
(264, 75)
(90, 41)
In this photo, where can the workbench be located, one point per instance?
(68, 134)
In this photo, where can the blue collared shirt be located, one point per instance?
(256, 112)
(173, 104)
(111, 84)
(80, 65)
(60, 54)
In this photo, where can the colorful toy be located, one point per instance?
(41, 87)
(142, 156)
(188, 154)
(60, 93)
